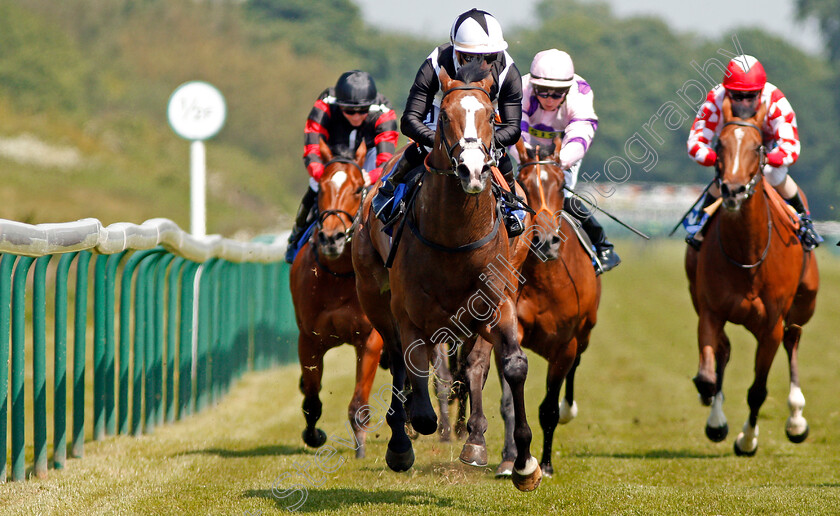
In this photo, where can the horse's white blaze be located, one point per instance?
(471, 154)
(544, 175)
(796, 424)
(567, 412)
(739, 136)
(717, 419)
(747, 440)
(339, 178)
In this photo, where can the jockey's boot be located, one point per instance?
(604, 251)
(301, 219)
(512, 215)
(385, 195)
(696, 239)
(807, 233)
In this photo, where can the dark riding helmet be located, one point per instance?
(355, 88)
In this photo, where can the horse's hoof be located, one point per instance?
(505, 469)
(314, 439)
(798, 438)
(717, 434)
(474, 455)
(567, 412)
(741, 453)
(547, 470)
(528, 478)
(446, 435)
(399, 461)
(360, 452)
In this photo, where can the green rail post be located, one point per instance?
(171, 336)
(146, 311)
(7, 264)
(110, 314)
(159, 340)
(60, 362)
(79, 344)
(205, 324)
(18, 364)
(39, 365)
(185, 340)
(99, 347)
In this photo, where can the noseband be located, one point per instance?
(465, 143)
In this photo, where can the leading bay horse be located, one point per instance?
(451, 279)
(323, 288)
(751, 270)
(557, 306)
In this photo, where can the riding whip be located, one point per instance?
(631, 228)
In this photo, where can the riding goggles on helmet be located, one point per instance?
(552, 94)
(355, 110)
(488, 58)
(740, 96)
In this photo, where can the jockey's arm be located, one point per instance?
(510, 109)
(703, 130)
(419, 104)
(313, 131)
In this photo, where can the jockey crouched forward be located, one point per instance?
(745, 84)
(475, 35)
(344, 116)
(558, 102)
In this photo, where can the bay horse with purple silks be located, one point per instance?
(752, 271)
(557, 305)
(323, 287)
(443, 263)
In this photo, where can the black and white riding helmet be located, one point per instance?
(477, 32)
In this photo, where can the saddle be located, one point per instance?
(585, 242)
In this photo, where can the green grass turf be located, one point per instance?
(637, 446)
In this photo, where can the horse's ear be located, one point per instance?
(521, 149)
(558, 144)
(326, 153)
(445, 80)
(361, 154)
(726, 109)
(760, 114)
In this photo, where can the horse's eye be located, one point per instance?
(443, 117)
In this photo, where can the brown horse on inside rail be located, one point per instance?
(557, 305)
(751, 270)
(451, 279)
(324, 295)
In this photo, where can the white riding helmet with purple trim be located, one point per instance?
(552, 69)
(477, 32)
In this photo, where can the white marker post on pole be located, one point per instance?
(197, 112)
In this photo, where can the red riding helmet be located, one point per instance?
(744, 73)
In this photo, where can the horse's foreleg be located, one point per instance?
(417, 354)
(311, 369)
(796, 426)
(717, 427)
(399, 456)
(443, 388)
(367, 359)
(505, 468)
(526, 472)
(768, 343)
(709, 329)
(474, 451)
(460, 391)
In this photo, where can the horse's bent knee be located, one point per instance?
(516, 367)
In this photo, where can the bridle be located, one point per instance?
(543, 205)
(348, 230)
(749, 190)
(463, 143)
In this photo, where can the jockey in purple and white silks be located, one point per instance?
(558, 102)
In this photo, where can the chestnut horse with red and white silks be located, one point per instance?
(323, 287)
(451, 280)
(751, 270)
(557, 305)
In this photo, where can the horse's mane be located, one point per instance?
(471, 72)
(343, 151)
(546, 152)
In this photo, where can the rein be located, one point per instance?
(766, 247)
(543, 206)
